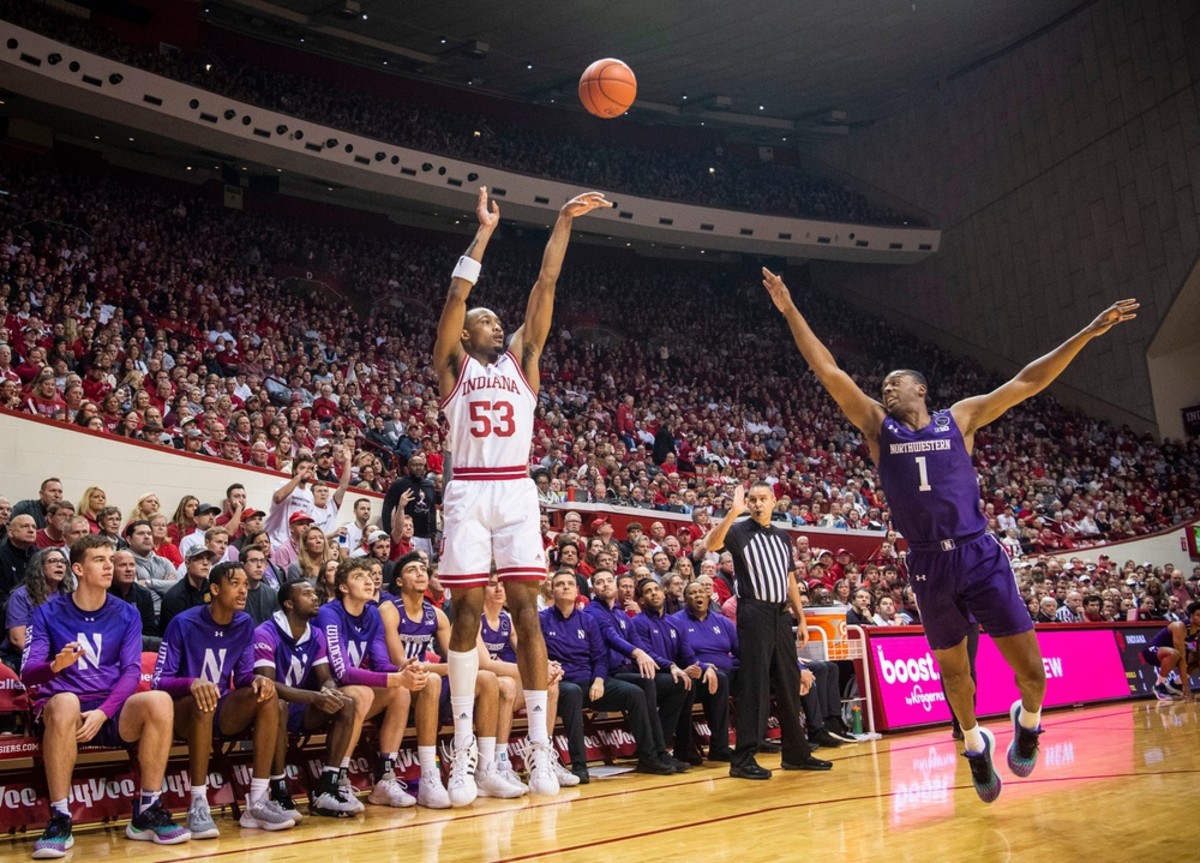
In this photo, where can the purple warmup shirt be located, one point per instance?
(575, 643)
(498, 641)
(658, 636)
(196, 646)
(616, 629)
(931, 484)
(292, 658)
(714, 639)
(358, 654)
(110, 667)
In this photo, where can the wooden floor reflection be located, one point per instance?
(1114, 783)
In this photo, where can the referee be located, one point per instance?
(762, 565)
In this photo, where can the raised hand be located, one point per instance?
(487, 212)
(739, 500)
(1118, 313)
(780, 295)
(583, 204)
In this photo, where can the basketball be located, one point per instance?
(607, 88)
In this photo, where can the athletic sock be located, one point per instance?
(61, 807)
(463, 668)
(973, 739)
(427, 759)
(535, 706)
(487, 751)
(329, 778)
(258, 790)
(385, 765)
(1029, 719)
(199, 792)
(148, 799)
(345, 765)
(502, 758)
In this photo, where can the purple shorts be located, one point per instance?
(973, 581)
(109, 734)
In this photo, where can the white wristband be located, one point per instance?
(467, 269)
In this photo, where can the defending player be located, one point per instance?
(489, 393)
(1173, 650)
(957, 568)
(310, 699)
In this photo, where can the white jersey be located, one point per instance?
(490, 414)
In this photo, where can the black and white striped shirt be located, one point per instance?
(762, 560)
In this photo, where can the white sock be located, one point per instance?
(199, 792)
(346, 763)
(535, 706)
(1031, 719)
(427, 758)
(502, 757)
(258, 790)
(464, 668)
(487, 751)
(60, 806)
(973, 738)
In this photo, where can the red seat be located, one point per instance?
(13, 697)
(149, 660)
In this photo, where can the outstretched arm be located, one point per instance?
(447, 350)
(862, 410)
(529, 340)
(974, 413)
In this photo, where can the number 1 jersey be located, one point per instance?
(490, 414)
(930, 482)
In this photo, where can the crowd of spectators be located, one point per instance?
(712, 178)
(152, 314)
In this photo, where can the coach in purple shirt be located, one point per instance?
(714, 641)
(655, 633)
(83, 653)
(574, 641)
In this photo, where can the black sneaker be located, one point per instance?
(983, 775)
(674, 763)
(1023, 751)
(156, 825)
(655, 767)
(56, 840)
(824, 738)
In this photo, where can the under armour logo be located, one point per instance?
(919, 577)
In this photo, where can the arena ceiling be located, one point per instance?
(800, 60)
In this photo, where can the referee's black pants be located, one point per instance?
(768, 658)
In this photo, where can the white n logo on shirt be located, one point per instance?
(90, 658)
(354, 650)
(295, 674)
(214, 661)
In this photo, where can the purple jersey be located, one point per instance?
(658, 635)
(292, 658)
(110, 667)
(358, 654)
(196, 646)
(931, 484)
(418, 636)
(714, 639)
(498, 641)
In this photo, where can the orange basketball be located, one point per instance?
(607, 88)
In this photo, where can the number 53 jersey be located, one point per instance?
(490, 415)
(490, 505)
(930, 481)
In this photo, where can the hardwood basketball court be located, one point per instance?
(1114, 783)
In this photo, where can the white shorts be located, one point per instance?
(485, 521)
